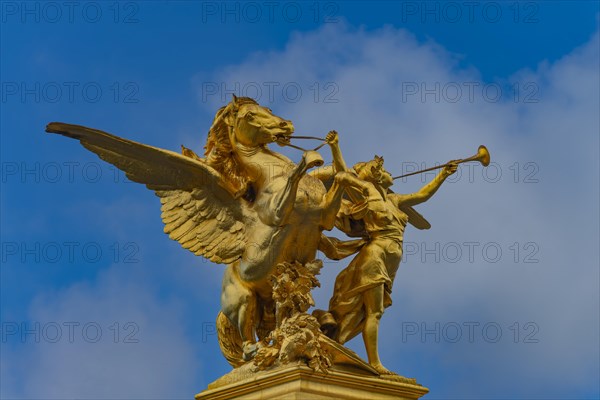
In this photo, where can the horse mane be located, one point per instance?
(219, 151)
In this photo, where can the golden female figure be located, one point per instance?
(362, 290)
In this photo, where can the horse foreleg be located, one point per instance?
(333, 198)
(282, 196)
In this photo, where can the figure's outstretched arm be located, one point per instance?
(428, 190)
(336, 249)
(333, 141)
(339, 165)
(323, 173)
(358, 190)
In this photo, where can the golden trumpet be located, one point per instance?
(483, 156)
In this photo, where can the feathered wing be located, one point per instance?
(414, 217)
(199, 208)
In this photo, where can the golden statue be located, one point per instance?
(362, 290)
(263, 216)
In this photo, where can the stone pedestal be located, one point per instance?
(300, 382)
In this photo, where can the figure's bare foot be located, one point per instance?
(392, 376)
(382, 370)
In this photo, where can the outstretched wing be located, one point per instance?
(199, 208)
(414, 217)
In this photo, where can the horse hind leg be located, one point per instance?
(239, 306)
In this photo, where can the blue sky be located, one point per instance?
(500, 299)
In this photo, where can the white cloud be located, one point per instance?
(125, 341)
(553, 140)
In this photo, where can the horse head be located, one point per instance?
(242, 122)
(254, 125)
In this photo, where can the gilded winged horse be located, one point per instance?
(242, 205)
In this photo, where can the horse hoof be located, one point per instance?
(313, 159)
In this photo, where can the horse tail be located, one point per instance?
(230, 341)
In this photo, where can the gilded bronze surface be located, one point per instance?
(263, 216)
(362, 290)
